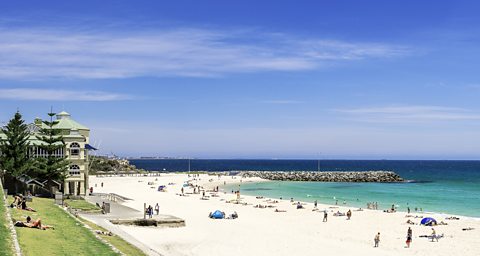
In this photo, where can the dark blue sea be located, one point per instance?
(451, 187)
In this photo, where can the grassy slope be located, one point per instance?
(118, 242)
(68, 238)
(5, 236)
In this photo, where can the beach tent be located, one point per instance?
(428, 221)
(217, 215)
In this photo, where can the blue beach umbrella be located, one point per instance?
(428, 221)
(217, 215)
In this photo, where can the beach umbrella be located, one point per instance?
(428, 221)
(217, 215)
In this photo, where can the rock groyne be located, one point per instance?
(366, 176)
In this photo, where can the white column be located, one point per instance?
(82, 188)
(75, 188)
(66, 188)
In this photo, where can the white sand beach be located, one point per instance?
(266, 232)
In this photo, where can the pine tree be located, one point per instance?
(14, 158)
(53, 166)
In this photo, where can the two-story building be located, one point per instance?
(76, 138)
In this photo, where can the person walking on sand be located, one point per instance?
(349, 214)
(377, 239)
(315, 204)
(157, 208)
(434, 235)
(409, 237)
(149, 211)
(325, 216)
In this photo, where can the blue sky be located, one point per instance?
(251, 79)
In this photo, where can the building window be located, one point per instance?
(74, 149)
(74, 170)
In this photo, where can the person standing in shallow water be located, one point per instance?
(377, 239)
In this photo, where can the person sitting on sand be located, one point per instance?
(234, 215)
(410, 222)
(452, 218)
(299, 205)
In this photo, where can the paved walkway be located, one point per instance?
(117, 211)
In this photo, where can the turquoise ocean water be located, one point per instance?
(451, 187)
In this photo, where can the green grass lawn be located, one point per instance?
(6, 244)
(82, 205)
(69, 237)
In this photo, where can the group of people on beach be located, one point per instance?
(149, 210)
(372, 205)
(433, 236)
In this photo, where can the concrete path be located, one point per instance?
(117, 211)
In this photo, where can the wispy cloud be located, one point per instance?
(59, 95)
(63, 53)
(282, 102)
(339, 50)
(411, 114)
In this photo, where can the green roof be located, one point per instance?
(67, 123)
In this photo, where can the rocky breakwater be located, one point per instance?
(366, 176)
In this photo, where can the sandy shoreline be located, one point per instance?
(266, 232)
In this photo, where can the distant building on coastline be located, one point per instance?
(76, 138)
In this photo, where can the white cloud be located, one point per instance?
(59, 95)
(411, 114)
(55, 53)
